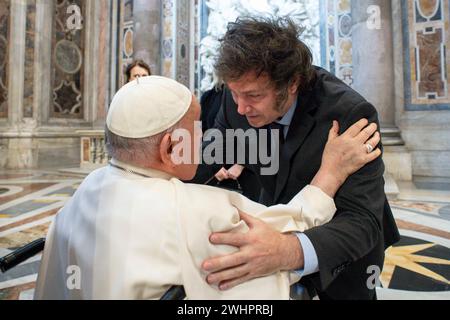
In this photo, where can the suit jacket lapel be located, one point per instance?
(300, 127)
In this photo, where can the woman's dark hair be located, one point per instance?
(265, 45)
(137, 63)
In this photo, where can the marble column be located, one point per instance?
(21, 148)
(16, 59)
(374, 62)
(147, 32)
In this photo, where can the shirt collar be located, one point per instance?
(147, 172)
(287, 118)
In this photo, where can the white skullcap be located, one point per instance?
(147, 106)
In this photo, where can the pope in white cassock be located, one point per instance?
(133, 229)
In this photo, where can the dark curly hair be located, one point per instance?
(265, 45)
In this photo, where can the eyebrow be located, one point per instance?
(252, 91)
(249, 92)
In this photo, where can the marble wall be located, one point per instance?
(167, 39)
(422, 70)
(413, 103)
(68, 61)
(126, 38)
(61, 54)
(28, 104)
(426, 40)
(336, 38)
(147, 33)
(4, 35)
(183, 42)
(180, 37)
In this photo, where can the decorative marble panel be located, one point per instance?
(4, 32)
(29, 60)
(197, 39)
(176, 41)
(126, 35)
(336, 38)
(426, 37)
(203, 12)
(183, 42)
(167, 46)
(67, 54)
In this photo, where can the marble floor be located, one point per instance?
(418, 267)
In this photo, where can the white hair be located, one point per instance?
(136, 151)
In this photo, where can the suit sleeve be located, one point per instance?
(357, 225)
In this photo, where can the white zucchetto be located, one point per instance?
(147, 106)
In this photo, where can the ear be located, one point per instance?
(165, 150)
(293, 87)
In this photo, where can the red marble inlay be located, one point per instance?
(86, 149)
(430, 63)
(13, 293)
(428, 7)
(423, 229)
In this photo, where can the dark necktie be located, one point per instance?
(277, 126)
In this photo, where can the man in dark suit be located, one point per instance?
(246, 182)
(271, 82)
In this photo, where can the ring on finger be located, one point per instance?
(369, 148)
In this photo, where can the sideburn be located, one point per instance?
(282, 97)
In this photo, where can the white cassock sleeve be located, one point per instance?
(204, 210)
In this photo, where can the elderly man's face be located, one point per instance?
(186, 171)
(137, 72)
(256, 99)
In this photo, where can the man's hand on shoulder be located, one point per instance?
(262, 251)
(345, 154)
